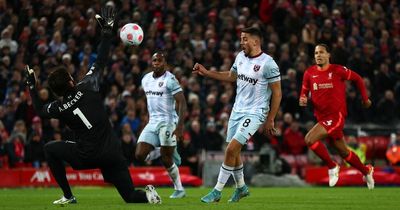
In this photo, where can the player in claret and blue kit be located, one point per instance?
(258, 95)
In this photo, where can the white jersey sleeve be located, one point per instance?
(234, 65)
(173, 85)
(271, 72)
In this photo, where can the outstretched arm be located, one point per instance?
(227, 76)
(38, 104)
(95, 73)
(106, 22)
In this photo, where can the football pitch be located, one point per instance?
(107, 198)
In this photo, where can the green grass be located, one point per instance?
(321, 198)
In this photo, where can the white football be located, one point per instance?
(131, 34)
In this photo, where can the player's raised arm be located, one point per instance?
(38, 105)
(227, 76)
(106, 22)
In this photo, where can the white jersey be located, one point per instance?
(253, 76)
(160, 97)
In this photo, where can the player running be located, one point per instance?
(326, 84)
(165, 126)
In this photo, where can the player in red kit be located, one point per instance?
(325, 83)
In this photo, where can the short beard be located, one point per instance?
(246, 54)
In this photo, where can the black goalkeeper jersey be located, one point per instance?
(83, 111)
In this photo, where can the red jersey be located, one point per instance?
(328, 89)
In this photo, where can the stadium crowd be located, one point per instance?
(363, 35)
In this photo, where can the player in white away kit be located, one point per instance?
(165, 126)
(258, 83)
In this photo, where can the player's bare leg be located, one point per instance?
(173, 171)
(312, 140)
(354, 160)
(142, 150)
(232, 151)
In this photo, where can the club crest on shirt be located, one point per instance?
(330, 75)
(256, 68)
(327, 122)
(160, 84)
(315, 86)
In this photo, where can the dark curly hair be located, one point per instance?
(59, 81)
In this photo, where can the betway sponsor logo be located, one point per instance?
(154, 93)
(247, 79)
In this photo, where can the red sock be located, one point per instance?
(354, 161)
(320, 150)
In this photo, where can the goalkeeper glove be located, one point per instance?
(106, 20)
(30, 78)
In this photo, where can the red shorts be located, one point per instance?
(333, 124)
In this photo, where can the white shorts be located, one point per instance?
(159, 134)
(242, 126)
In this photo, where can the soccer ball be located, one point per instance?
(131, 34)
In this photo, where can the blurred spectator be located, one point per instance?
(21, 130)
(196, 135)
(293, 140)
(3, 149)
(131, 119)
(387, 109)
(57, 46)
(6, 40)
(213, 140)
(25, 109)
(393, 150)
(15, 149)
(384, 80)
(128, 145)
(34, 152)
(36, 127)
(340, 54)
(3, 132)
(188, 153)
(360, 149)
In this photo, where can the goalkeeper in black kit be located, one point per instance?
(80, 106)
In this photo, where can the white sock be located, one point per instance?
(173, 172)
(154, 154)
(238, 176)
(224, 174)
